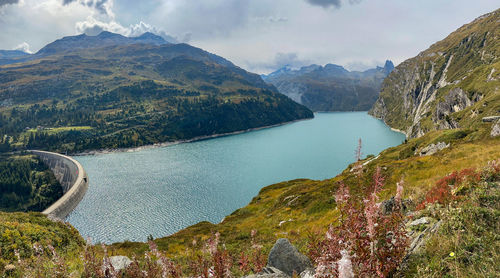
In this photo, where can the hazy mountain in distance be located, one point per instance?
(330, 87)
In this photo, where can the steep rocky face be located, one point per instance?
(330, 88)
(450, 85)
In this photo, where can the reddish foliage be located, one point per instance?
(442, 192)
(366, 243)
(216, 262)
(256, 260)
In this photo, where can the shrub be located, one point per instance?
(365, 242)
(448, 187)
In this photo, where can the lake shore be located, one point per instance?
(170, 143)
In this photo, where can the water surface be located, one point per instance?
(162, 190)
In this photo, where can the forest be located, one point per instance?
(26, 184)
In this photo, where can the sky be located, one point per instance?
(257, 35)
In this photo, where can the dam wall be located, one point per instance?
(72, 178)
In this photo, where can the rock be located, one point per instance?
(285, 257)
(490, 119)
(387, 206)
(269, 272)
(308, 273)
(423, 220)
(495, 130)
(433, 148)
(120, 262)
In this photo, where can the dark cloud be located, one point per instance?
(326, 3)
(7, 2)
(331, 3)
(96, 4)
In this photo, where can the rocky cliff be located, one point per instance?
(452, 84)
(330, 87)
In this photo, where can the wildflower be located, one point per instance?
(399, 191)
(452, 254)
(345, 265)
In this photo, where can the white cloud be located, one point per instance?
(25, 47)
(253, 33)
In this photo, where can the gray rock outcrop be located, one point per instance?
(285, 257)
(433, 148)
(119, 262)
(491, 119)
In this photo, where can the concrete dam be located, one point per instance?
(72, 178)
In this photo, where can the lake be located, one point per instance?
(158, 191)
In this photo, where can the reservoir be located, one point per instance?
(158, 191)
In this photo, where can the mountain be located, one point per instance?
(104, 39)
(79, 42)
(6, 54)
(95, 92)
(330, 88)
(452, 84)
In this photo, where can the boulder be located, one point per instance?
(423, 220)
(491, 119)
(387, 206)
(285, 257)
(119, 262)
(433, 148)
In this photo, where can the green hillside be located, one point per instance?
(131, 95)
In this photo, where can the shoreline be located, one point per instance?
(393, 129)
(176, 142)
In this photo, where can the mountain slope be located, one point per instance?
(126, 95)
(330, 88)
(452, 84)
(75, 43)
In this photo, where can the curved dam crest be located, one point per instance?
(73, 179)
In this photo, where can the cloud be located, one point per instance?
(25, 47)
(331, 3)
(326, 3)
(280, 60)
(92, 26)
(103, 6)
(7, 2)
(277, 19)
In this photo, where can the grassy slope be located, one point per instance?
(133, 95)
(313, 205)
(19, 231)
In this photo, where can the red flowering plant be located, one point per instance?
(364, 242)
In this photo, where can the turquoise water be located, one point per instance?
(159, 191)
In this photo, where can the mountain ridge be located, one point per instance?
(69, 44)
(330, 87)
(120, 94)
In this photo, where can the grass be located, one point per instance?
(466, 245)
(298, 208)
(54, 130)
(313, 206)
